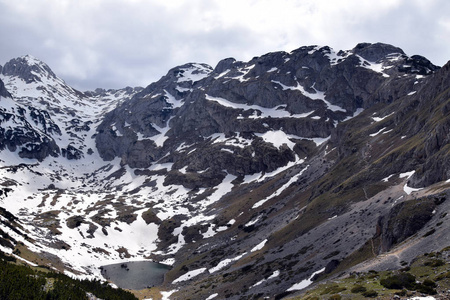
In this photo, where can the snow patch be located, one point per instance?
(260, 112)
(194, 73)
(318, 95)
(378, 119)
(189, 275)
(225, 263)
(259, 246)
(280, 190)
(212, 296)
(305, 283)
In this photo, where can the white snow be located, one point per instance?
(304, 283)
(172, 100)
(261, 177)
(274, 275)
(225, 263)
(408, 190)
(212, 296)
(259, 246)
(182, 89)
(277, 138)
(356, 113)
(166, 294)
(280, 190)
(244, 72)
(334, 57)
(252, 222)
(189, 275)
(264, 112)
(386, 179)
(407, 174)
(318, 95)
(378, 119)
(222, 74)
(376, 67)
(378, 132)
(195, 73)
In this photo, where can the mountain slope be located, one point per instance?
(247, 178)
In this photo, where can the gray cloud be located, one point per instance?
(117, 43)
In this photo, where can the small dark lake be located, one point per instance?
(135, 275)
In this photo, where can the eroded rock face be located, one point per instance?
(16, 132)
(27, 68)
(404, 220)
(3, 91)
(302, 94)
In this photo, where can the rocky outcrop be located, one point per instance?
(302, 94)
(403, 221)
(3, 91)
(28, 140)
(27, 68)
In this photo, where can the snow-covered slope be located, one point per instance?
(239, 170)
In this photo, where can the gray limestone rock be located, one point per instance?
(28, 68)
(3, 91)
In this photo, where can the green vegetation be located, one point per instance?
(23, 282)
(428, 275)
(358, 289)
(333, 289)
(370, 294)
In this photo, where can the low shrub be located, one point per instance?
(334, 289)
(399, 281)
(443, 276)
(401, 293)
(434, 263)
(424, 289)
(430, 283)
(429, 232)
(370, 294)
(358, 289)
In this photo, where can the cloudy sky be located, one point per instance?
(118, 43)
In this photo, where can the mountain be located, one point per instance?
(247, 178)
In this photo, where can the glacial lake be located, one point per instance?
(135, 275)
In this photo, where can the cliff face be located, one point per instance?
(300, 95)
(247, 177)
(3, 91)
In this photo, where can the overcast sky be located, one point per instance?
(118, 43)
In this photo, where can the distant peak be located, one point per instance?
(31, 60)
(28, 68)
(191, 72)
(376, 51)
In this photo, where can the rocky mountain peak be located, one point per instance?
(191, 72)
(29, 68)
(375, 52)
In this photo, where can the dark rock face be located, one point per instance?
(3, 91)
(312, 88)
(27, 68)
(404, 220)
(377, 51)
(32, 143)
